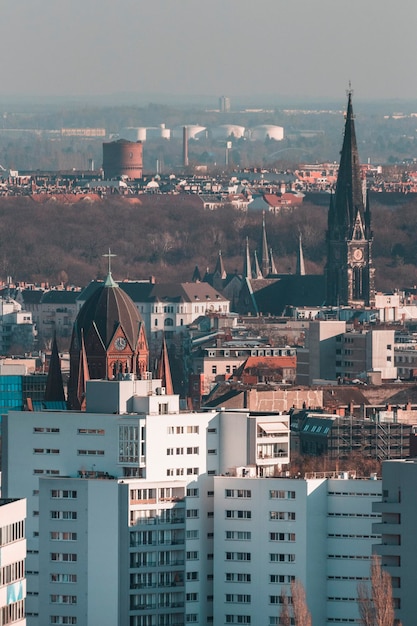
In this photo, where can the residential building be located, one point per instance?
(13, 556)
(331, 353)
(398, 548)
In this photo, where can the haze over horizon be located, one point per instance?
(90, 48)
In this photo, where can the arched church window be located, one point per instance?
(169, 321)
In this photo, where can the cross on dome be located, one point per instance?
(109, 280)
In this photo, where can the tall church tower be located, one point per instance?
(349, 271)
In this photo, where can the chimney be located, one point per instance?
(185, 146)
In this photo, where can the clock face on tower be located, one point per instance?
(120, 343)
(358, 254)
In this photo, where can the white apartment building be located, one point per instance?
(12, 561)
(139, 459)
(398, 546)
(142, 515)
(269, 532)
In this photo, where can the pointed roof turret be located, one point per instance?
(264, 248)
(163, 370)
(196, 275)
(300, 269)
(247, 266)
(219, 269)
(54, 391)
(349, 195)
(272, 266)
(256, 269)
(83, 376)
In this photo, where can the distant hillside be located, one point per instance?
(167, 236)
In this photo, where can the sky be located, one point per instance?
(185, 48)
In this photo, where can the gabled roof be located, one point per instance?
(59, 296)
(32, 296)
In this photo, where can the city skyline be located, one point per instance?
(241, 49)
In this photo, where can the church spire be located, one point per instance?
(219, 269)
(264, 249)
(272, 266)
(83, 375)
(256, 269)
(349, 195)
(300, 269)
(54, 391)
(163, 370)
(349, 269)
(247, 267)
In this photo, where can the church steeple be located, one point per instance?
(349, 270)
(54, 391)
(247, 266)
(163, 370)
(219, 269)
(300, 268)
(264, 249)
(256, 269)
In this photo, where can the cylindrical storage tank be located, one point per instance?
(194, 131)
(267, 131)
(227, 130)
(132, 133)
(123, 158)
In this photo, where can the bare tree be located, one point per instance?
(301, 613)
(376, 607)
(284, 616)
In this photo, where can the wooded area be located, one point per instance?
(166, 236)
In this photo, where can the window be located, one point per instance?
(237, 514)
(281, 558)
(63, 599)
(238, 577)
(43, 430)
(191, 597)
(63, 578)
(214, 369)
(91, 431)
(238, 493)
(192, 534)
(193, 450)
(192, 513)
(192, 575)
(238, 598)
(193, 429)
(280, 578)
(63, 536)
(63, 493)
(45, 451)
(282, 516)
(238, 556)
(212, 451)
(65, 557)
(192, 492)
(128, 444)
(66, 515)
(192, 555)
(239, 535)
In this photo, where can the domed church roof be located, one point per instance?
(106, 308)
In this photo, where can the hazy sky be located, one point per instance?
(215, 47)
